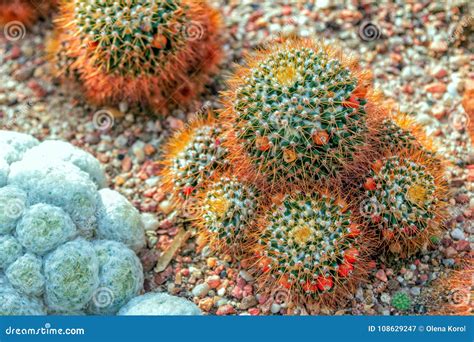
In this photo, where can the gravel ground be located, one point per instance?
(417, 59)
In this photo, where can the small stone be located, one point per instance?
(275, 308)
(166, 206)
(211, 262)
(248, 302)
(206, 304)
(254, 311)
(415, 291)
(214, 281)
(462, 246)
(436, 88)
(385, 298)
(150, 222)
(439, 46)
(246, 276)
(380, 275)
(201, 290)
(225, 309)
(457, 234)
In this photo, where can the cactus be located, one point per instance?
(51, 212)
(311, 244)
(297, 111)
(404, 199)
(192, 156)
(398, 131)
(24, 11)
(154, 53)
(401, 301)
(226, 212)
(159, 304)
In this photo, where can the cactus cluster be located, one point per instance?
(192, 156)
(67, 244)
(404, 199)
(309, 243)
(227, 208)
(153, 53)
(298, 111)
(401, 301)
(302, 125)
(25, 11)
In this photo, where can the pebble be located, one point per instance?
(381, 275)
(150, 221)
(457, 234)
(225, 309)
(201, 290)
(248, 302)
(415, 291)
(275, 308)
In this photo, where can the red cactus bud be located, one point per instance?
(351, 255)
(345, 269)
(324, 283)
(188, 190)
(377, 165)
(387, 234)
(351, 103)
(370, 184)
(310, 287)
(354, 230)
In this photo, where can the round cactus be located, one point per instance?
(401, 301)
(297, 111)
(44, 227)
(155, 53)
(311, 244)
(192, 156)
(15, 303)
(24, 11)
(72, 274)
(25, 274)
(398, 131)
(159, 304)
(119, 220)
(120, 277)
(50, 212)
(226, 212)
(404, 199)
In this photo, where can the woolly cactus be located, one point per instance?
(119, 220)
(404, 199)
(297, 111)
(121, 277)
(24, 11)
(192, 156)
(25, 274)
(13, 302)
(156, 53)
(50, 210)
(311, 244)
(401, 301)
(159, 304)
(226, 212)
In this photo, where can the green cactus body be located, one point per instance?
(309, 242)
(401, 301)
(131, 37)
(228, 209)
(403, 195)
(296, 114)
